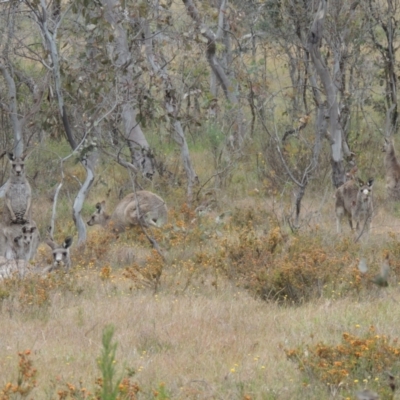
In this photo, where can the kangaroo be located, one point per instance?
(350, 175)
(18, 242)
(392, 167)
(354, 200)
(18, 193)
(10, 268)
(363, 210)
(61, 254)
(135, 208)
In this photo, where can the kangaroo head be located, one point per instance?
(99, 217)
(17, 164)
(27, 233)
(21, 245)
(61, 253)
(365, 189)
(386, 145)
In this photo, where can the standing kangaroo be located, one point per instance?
(392, 167)
(18, 193)
(354, 200)
(135, 208)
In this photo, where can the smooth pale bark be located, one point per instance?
(314, 42)
(138, 145)
(171, 107)
(12, 91)
(13, 110)
(80, 199)
(51, 45)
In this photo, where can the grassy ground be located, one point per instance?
(202, 344)
(204, 324)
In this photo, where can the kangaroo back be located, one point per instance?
(346, 199)
(392, 169)
(144, 207)
(12, 268)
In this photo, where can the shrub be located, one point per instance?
(357, 361)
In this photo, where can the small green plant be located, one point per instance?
(110, 384)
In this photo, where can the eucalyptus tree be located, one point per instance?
(382, 24)
(230, 90)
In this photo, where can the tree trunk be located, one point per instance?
(172, 109)
(226, 83)
(138, 145)
(314, 43)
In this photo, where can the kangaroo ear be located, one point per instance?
(51, 244)
(11, 156)
(24, 229)
(100, 206)
(370, 182)
(360, 182)
(67, 242)
(17, 238)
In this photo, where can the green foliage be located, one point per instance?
(107, 362)
(367, 360)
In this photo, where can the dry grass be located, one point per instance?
(204, 344)
(189, 325)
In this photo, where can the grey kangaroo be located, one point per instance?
(18, 193)
(61, 254)
(392, 167)
(19, 242)
(354, 200)
(135, 208)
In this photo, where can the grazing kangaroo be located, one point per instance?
(392, 167)
(354, 200)
(135, 208)
(18, 193)
(61, 254)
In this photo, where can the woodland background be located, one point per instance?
(244, 116)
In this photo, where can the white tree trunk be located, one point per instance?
(138, 144)
(314, 41)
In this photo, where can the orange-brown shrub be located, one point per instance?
(366, 360)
